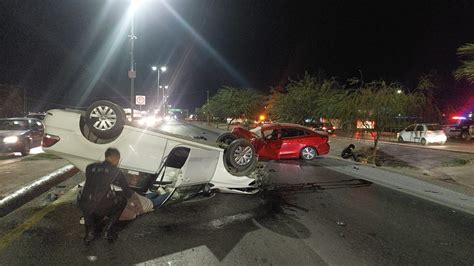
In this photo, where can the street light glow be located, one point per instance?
(163, 69)
(154, 68)
(399, 91)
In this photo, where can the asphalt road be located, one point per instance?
(310, 216)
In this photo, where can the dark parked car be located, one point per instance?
(463, 129)
(20, 134)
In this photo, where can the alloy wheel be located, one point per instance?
(243, 155)
(105, 117)
(308, 153)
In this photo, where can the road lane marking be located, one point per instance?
(15, 233)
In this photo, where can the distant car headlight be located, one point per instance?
(11, 139)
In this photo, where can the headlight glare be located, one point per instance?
(11, 139)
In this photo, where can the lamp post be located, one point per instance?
(158, 70)
(132, 73)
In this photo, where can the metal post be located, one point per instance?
(132, 73)
(208, 115)
(158, 89)
(24, 101)
(164, 101)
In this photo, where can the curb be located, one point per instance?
(18, 198)
(208, 128)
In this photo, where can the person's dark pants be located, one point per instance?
(96, 217)
(156, 198)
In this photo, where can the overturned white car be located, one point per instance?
(150, 157)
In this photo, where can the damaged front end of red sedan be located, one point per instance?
(282, 141)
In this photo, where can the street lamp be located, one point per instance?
(399, 91)
(158, 70)
(132, 74)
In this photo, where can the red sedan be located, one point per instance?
(282, 141)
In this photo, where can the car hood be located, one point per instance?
(7, 133)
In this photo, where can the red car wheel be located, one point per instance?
(308, 153)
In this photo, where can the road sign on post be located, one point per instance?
(140, 99)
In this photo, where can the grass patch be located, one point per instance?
(455, 162)
(41, 156)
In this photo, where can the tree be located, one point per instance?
(234, 103)
(12, 100)
(298, 102)
(466, 70)
(377, 102)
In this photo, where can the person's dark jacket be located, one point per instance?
(96, 194)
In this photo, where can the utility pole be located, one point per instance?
(208, 117)
(131, 73)
(24, 101)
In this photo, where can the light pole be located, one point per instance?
(165, 98)
(158, 70)
(132, 73)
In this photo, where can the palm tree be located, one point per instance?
(466, 70)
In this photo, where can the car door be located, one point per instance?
(407, 133)
(270, 149)
(292, 142)
(418, 133)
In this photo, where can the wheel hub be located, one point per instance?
(243, 155)
(105, 116)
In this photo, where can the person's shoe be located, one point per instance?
(90, 236)
(110, 236)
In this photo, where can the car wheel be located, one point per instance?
(105, 119)
(424, 142)
(308, 153)
(400, 139)
(466, 136)
(241, 157)
(226, 138)
(26, 148)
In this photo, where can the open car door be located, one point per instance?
(196, 166)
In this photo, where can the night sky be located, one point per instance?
(69, 53)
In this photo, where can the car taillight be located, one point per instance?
(50, 140)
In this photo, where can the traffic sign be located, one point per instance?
(140, 99)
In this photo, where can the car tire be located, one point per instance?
(308, 153)
(226, 138)
(466, 136)
(26, 148)
(105, 119)
(424, 142)
(400, 139)
(240, 157)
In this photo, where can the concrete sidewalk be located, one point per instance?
(16, 175)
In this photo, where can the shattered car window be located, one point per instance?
(257, 131)
(271, 134)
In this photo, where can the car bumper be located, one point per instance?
(11, 147)
(323, 148)
(436, 139)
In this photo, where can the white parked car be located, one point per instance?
(423, 133)
(148, 157)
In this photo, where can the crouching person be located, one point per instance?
(99, 200)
